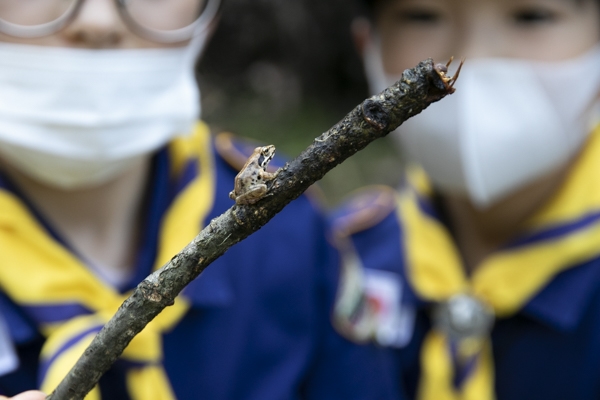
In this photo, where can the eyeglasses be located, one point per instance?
(163, 21)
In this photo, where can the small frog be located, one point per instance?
(250, 183)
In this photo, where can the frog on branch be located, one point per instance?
(250, 183)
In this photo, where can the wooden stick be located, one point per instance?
(374, 118)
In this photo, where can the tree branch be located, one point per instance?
(374, 118)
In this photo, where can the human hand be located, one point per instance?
(29, 395)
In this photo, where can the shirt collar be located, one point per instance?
(176, 168)
(573, 210)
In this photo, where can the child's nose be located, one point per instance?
(96, 25)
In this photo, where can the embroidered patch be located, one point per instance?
(369, 306)
(395, 321)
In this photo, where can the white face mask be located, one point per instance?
(76, 118)
(509, 123)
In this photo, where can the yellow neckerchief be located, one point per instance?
(506, 280)
(36, 270)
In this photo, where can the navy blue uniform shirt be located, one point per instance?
(548, 350)
(259, 323)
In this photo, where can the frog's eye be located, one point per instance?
(267, 152)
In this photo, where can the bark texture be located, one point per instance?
(374, 118)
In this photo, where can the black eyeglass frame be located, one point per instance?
(209, 12)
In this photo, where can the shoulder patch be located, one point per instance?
(235, 150)
(365, 208)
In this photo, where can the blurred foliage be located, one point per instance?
(283, 72)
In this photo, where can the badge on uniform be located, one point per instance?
(369, 305)
(8, 356)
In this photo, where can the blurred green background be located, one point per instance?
(283, 72)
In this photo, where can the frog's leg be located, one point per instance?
(269, 176)
(252, 196)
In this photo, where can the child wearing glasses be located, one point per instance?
(106, 172)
